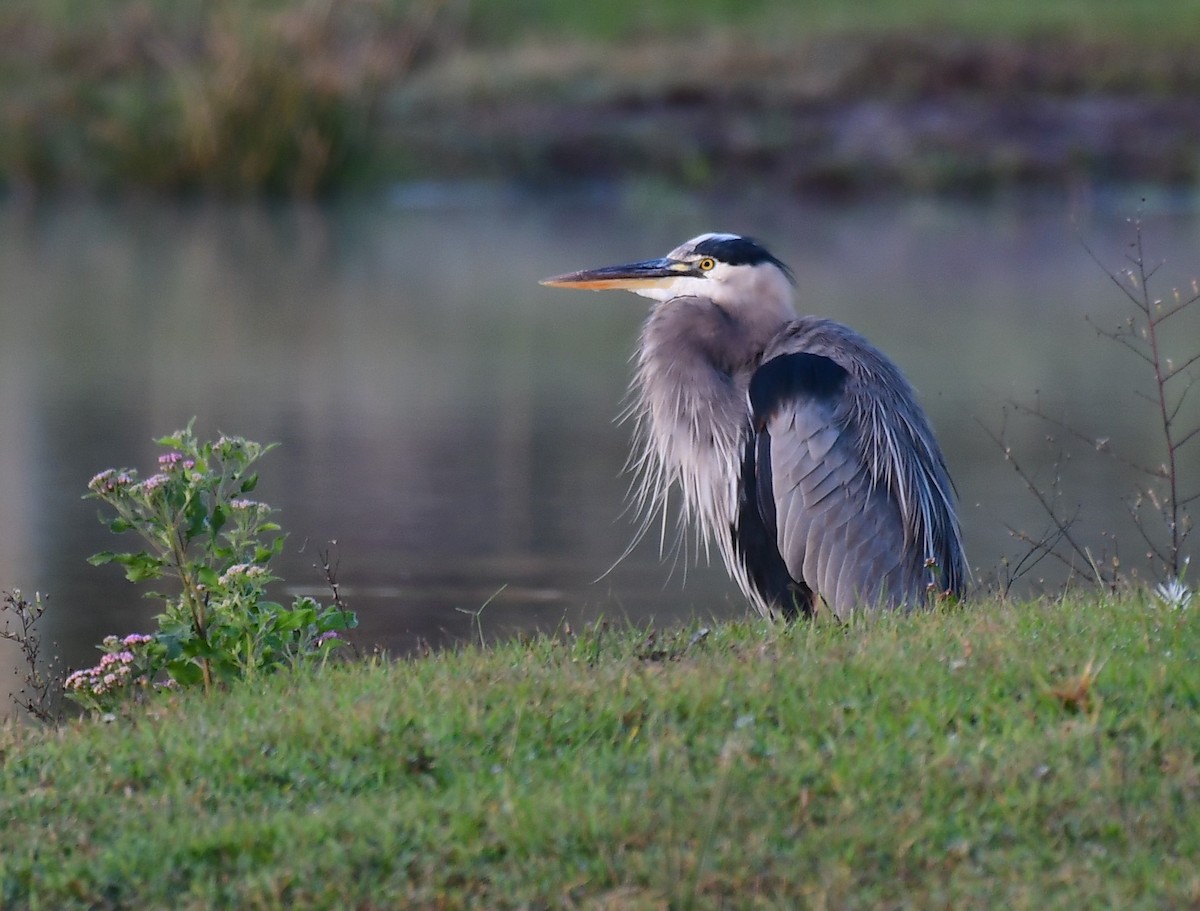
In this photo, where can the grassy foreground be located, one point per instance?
(1042, 755)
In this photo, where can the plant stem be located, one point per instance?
(195, 602)
(1163, 406)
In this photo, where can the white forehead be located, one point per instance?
(688, 248)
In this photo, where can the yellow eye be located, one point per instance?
(705, 264)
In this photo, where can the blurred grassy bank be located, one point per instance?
(244, 96)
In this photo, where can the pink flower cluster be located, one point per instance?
(171, 460)
(240, 571)
(153, 482)
(113, 671)
(110, 480)
(250, 505)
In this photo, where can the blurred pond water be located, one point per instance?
(450, 423)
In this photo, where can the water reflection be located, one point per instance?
(449, 422)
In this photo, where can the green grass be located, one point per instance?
(1140, 21)
(1041, 755)
(1152, 22)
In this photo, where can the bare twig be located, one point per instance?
(1136, 288)
(1061, 530)
(477, 615)
(329, 568)
(1039, 549)
(41, 684)
(1139, 334)
(1100, 444)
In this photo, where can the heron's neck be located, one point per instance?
(697, 335)
(690, 391)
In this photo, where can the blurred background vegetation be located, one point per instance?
(306, 96)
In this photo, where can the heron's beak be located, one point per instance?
(652, 273)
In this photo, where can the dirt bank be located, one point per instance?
(299, 103)
(866, 113)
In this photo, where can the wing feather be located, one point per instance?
(839, 532)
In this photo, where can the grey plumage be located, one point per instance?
(797, 446)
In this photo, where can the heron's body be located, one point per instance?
(798, 447)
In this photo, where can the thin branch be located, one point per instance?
(41, 685)
(1042, 548)
(1121, 339)
(1049, 550)
(1154, 548)
(1148, 398)
(1186, 438)
(1161, 316)
(329, 569)
(1063, 526)
(1184, 366)
(1182, 397)
(1099, 444)
(1139, 335)
(1114, 277)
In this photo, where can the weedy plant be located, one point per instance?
(227, 97)
(1160, 506)
(203, 532)
(39, 694)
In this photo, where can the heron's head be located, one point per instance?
(731, 270)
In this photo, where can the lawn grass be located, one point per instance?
(1152, 23)
(1035, 755)
(1147, 22)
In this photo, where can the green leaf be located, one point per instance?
(294, 620)
(197, 517)
(220, 514)
(334, 620)
(172, 633)
(119, 525)
(138, 566)
(207, 576)
(143, 570)
(185, 672)
(195, 648)
(249, 483)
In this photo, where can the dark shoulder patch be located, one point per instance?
(756, 537)
(792, 376)
(739, 251)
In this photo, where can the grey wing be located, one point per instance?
(838, 532)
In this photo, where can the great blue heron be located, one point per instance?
(798, 446)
